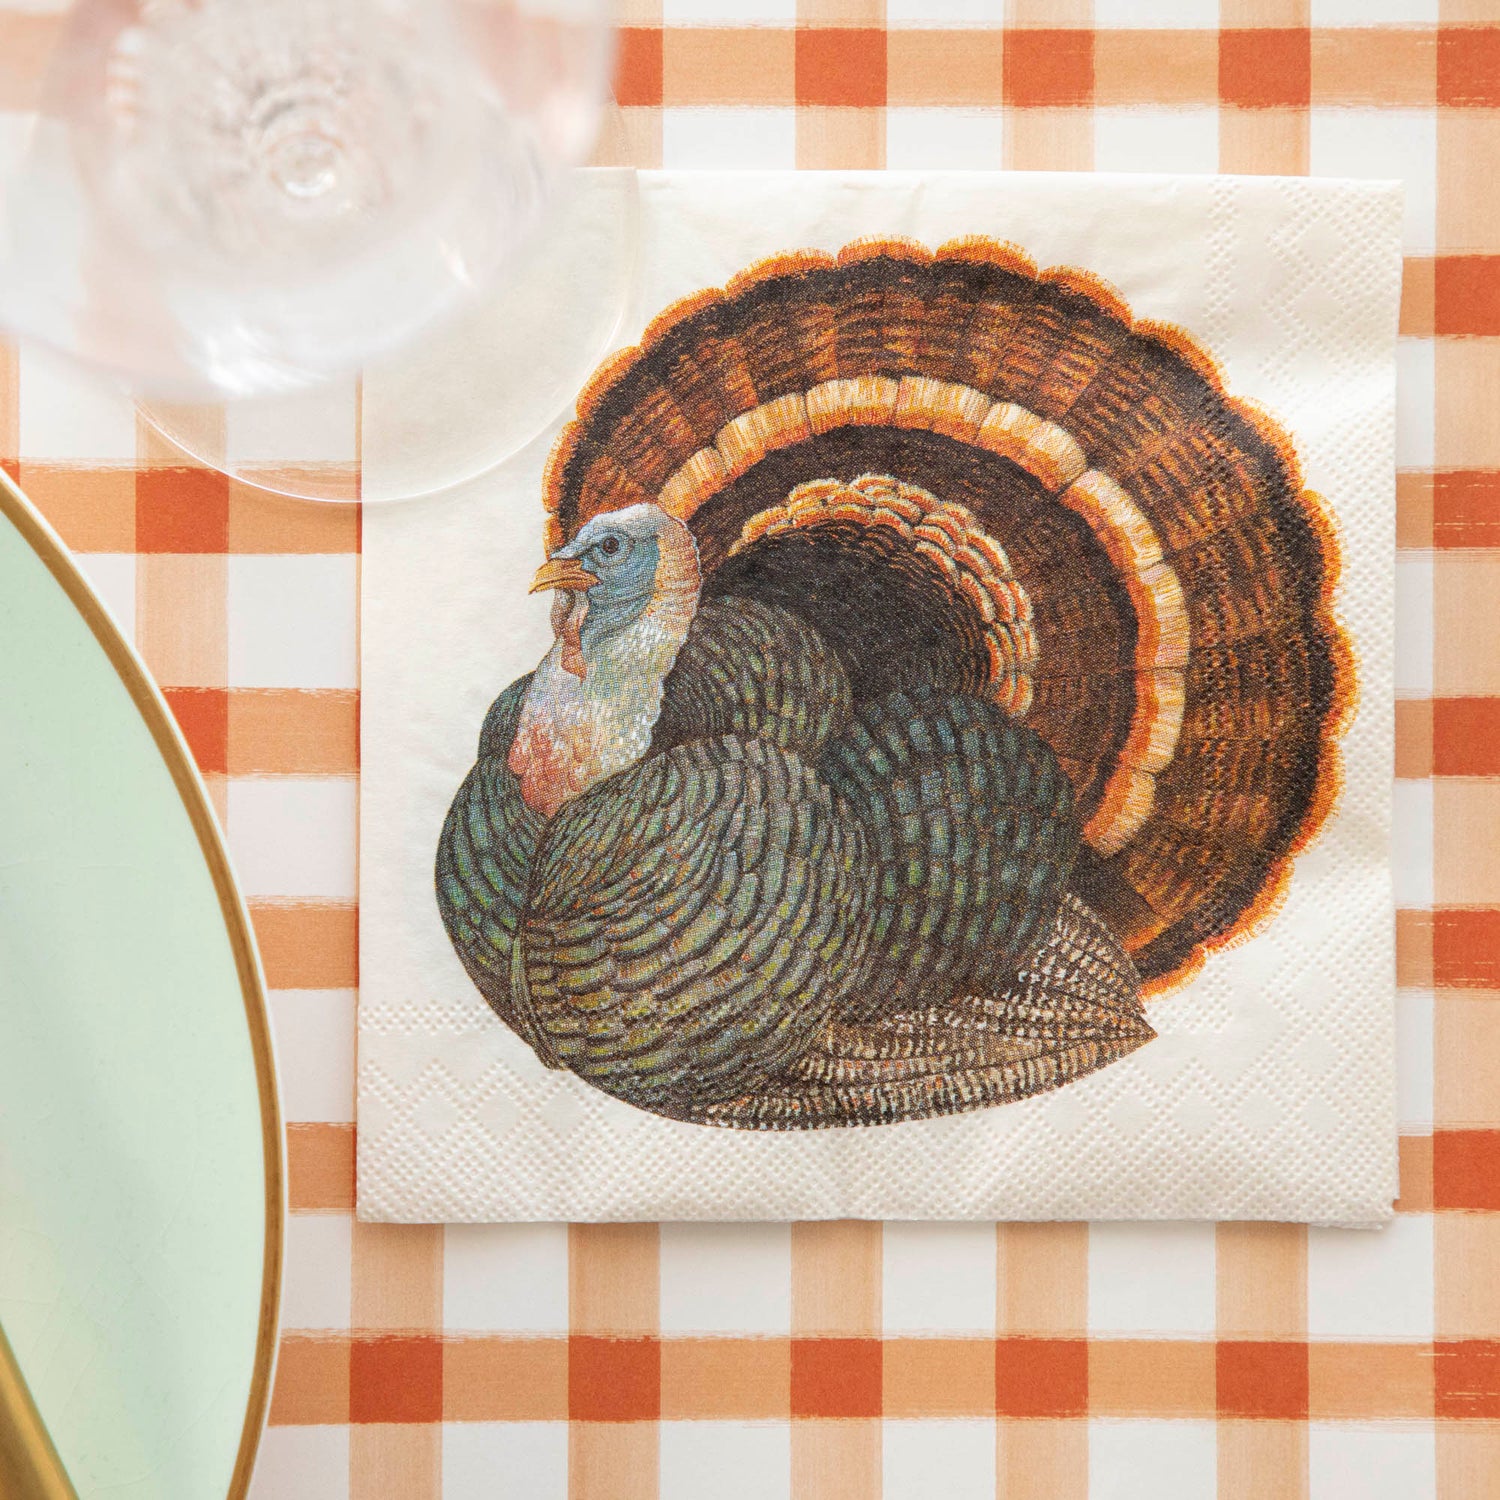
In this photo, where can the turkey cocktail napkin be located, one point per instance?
(917, 743)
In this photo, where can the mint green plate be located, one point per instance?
(141, 1199)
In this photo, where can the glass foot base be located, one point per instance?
(462, 398)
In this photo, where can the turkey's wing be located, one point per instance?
(1071, 1009)
(754, 670)
(971, 828)
(693, 921)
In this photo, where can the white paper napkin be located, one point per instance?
(1268, 1092)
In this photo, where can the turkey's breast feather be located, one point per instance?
(484, 859)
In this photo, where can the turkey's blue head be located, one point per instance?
(624, 562)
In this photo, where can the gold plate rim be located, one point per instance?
(152, 707)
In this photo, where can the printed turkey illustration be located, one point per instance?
(943, 665)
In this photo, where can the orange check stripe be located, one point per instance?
(1466, 508)
(522, 1379)
(1465, 736)
(284, 731)
(320, 1168)
(180, 508)
(1466, 948)
(307, 945)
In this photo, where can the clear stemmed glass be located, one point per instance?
(251, 211)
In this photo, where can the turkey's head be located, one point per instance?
(623, 567)
(627, 591)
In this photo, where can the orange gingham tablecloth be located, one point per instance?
(849, 1361)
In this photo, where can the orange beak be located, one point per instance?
(562, 573)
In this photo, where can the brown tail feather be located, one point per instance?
(1188, 672)
(788, 347)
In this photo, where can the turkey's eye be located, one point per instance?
(610, 545)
